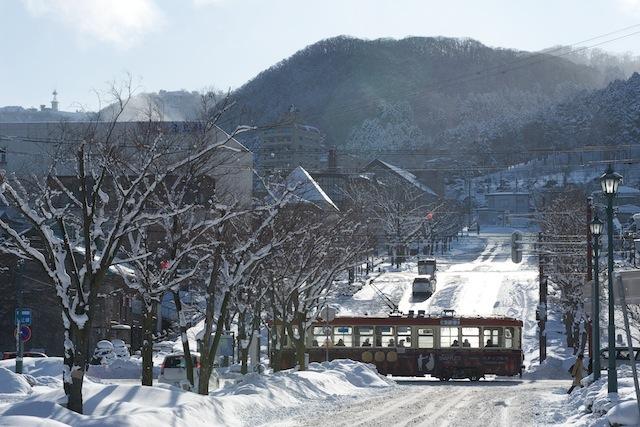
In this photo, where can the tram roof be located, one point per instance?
(424, 320)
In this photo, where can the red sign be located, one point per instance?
(429, 216)
(164, 265)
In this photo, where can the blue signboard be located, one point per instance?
(23, 316)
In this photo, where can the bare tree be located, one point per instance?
(302, 272)
(404, 213)
(94, 193)
(563, 220)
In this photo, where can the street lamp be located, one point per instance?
(596, 227)
(609, 181)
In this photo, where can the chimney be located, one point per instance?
(332, 166)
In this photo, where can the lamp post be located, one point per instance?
(596, 227)
(609, 182)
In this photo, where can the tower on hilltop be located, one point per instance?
(54, 101)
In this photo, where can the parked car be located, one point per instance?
(173, 371)
(103, 354)
(120, 349)
(622, 356)
(13, 354)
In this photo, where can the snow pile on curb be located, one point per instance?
(119, 405)
(120, 369)
(593, 404)
(12, 383)
(40, 371)
(37, 366)
(252, 401)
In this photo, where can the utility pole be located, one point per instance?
(19, 344)
(469, 200)
(397, 234)
(592, 354)
(542, 310)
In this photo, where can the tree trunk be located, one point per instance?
(300, 351)
(242, 336)
(147, 343)
(209, 354)
(275, 356)
(75, 362)
(299, 342)
(183, 336)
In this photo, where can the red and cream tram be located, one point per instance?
(411, 345)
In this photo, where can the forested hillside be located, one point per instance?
(439, 95)
(610, 116)
(434, 90)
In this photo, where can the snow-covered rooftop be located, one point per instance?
(409, 177)
(306, 188)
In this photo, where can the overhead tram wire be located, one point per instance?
(487, 72)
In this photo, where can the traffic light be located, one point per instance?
(516, 247)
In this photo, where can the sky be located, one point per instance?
(79, 46)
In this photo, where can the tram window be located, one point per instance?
(449, 337)
(425, 338)
(492, 337)
(404, 336)
(508, 337)
(320, 336)
(364, 336)
(384, 336)
(342, 336)
(471, 337)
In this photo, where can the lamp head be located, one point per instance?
(609, 181)
(596, 226)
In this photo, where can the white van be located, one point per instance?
(173, 371)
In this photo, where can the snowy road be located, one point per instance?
(428, 403)
(476, 278)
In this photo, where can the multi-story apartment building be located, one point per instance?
(289, 144)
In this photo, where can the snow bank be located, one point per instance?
(120, 369)
(20, 420)
(37, 366)
(254, 400)
(624, 414)
(592, 405)
(119, 405)
(11, 383)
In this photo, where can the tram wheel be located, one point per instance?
(474, 378)
(444, 378)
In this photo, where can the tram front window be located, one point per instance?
(449, 337)
(425, 338)
(404, 336)
(384, 336)
(492, 337)
(364, 336)
(342, 336)
(471, 337)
